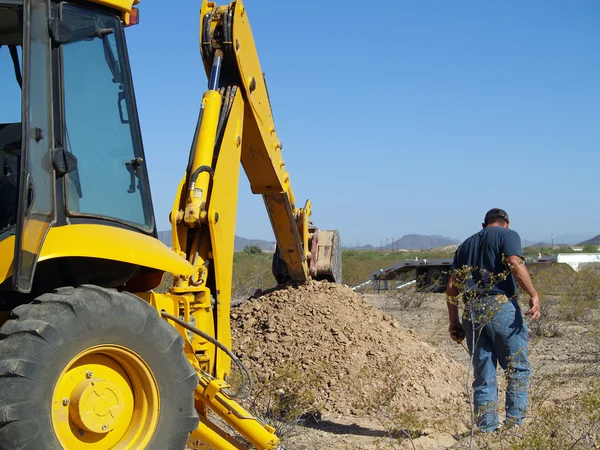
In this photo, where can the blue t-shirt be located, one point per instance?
(486, 253)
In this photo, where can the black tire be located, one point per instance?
(436, 280)
(40, 339)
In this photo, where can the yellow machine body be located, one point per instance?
(235, 126)
(123, 6)
(98, 241)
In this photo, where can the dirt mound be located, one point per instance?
(349, 355)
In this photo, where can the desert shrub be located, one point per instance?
(551, 279)
(582, 294)
(405, 298)
(401, 423)
(568, 424)
(252, 249)
(577, 290)
(286, 401)
(566, 295)
(548, 325)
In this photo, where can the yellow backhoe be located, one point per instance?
(91, 356)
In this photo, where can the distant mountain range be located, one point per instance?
(407, 242)
(413, 242)
(239, 244)
(563, 240)
(568, 238)
(593, 241)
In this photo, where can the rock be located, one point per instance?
(445, 440)
(249, 323)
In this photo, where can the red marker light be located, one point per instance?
(134, 16)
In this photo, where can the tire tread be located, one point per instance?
(36, 334)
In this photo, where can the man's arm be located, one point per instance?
(521, 274)
(454, 327)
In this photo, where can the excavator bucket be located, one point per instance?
(326, 256)
(324, 260)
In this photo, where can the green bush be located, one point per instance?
(567, 294)
(582, 295)
(252, 249)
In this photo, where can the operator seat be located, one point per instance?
(10, 150)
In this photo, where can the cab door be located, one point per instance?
(36, 206)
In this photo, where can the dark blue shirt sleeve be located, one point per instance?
(455, 260)
(512, 244)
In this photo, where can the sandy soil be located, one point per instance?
(371, 365)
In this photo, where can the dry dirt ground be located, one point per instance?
(362, 367)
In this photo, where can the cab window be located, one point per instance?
(11, 36)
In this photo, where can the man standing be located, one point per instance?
(484, 271)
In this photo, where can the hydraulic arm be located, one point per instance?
(234, 72)
(235, 125)
(85, 331)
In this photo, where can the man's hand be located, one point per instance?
(456, 331)
(521, 274)
(535, 309)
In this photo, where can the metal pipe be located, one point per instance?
(215, 72)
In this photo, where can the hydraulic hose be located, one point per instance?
(243, 370)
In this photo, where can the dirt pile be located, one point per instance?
(327, 339)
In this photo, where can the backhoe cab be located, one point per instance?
(90, 355)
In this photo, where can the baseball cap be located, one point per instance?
(494, 214)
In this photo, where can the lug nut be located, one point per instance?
(89, 374)
(104, 427)
(66, 401)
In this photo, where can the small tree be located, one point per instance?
(252, 249)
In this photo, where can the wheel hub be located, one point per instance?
(96, 405)
(106, 397)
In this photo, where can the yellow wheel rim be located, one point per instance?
(106, 397)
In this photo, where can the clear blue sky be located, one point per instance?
(401, 117)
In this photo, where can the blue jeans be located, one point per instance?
(496, 333)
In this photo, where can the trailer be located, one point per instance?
(431, 275)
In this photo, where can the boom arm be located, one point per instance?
(235, 125)
(231, 62)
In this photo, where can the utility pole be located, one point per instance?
(552, 241)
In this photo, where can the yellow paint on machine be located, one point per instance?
(221, 219)
(104, 242)
(93, 405)
(123, 6)
(261, 435)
